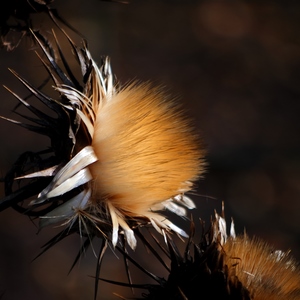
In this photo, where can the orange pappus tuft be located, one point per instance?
(147, 152)
(267, 273)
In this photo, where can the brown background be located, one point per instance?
(236, 66)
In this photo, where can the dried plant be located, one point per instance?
(120, 155)
(223, 266)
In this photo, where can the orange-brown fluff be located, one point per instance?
(266, 273)
(147, 150)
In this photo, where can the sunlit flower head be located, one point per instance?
(122, 154)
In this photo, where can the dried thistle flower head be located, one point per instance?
(225, 267)
(122, 154)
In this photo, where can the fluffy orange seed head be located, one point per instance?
(147, 150)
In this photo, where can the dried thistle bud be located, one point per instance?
(15, 20)
(225, 267)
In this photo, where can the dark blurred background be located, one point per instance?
(236, 67)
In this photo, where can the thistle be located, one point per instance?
(222, 266)
(119, 155)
